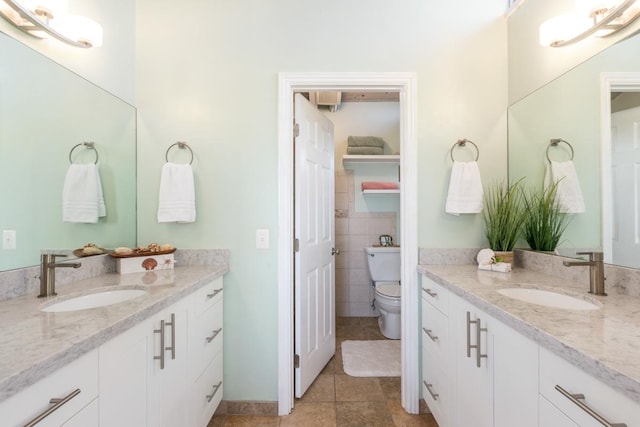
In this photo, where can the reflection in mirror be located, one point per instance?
(569, 107)
(45, 110)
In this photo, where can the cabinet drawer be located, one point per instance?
(609, 403)
(205, 339)
(208, 295)
(435, 294)
(551, 416)
(81, 374)
(206, 393)
(435, 330)
(435, 387)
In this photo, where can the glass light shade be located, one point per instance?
(562, 28)
(50, 9)
(80, 29)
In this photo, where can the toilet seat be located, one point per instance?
(389, 289)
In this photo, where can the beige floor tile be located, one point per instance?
(322, 390)
(391, 387)
(330, 367)
(311, 414)
(362, 414)
(250, 421)
(402, 419)
(352, 389)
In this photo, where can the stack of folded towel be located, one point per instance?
(365, 145)
(487, 261)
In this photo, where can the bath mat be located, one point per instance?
(379, 358)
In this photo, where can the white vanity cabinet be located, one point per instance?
(575, 394)
(72, 390)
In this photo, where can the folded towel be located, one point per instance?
(502, 267)
(465, 189)
(365, 141)
(568, 190)
(177, 201)
(365, 150)
(376, 185)
(82, 199)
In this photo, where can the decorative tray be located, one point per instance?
(80, 254)
(142, 253)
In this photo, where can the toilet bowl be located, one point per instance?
(384, 268)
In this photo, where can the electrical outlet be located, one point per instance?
(8, 239)
(262, 238)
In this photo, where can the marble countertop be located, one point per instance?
(604, 342)
(34, 344)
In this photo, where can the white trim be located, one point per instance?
(405, 84)
(610, 82)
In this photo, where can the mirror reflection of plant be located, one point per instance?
(544, 222)
(503, 215)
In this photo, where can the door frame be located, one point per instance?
(610, 82)
(405, 84)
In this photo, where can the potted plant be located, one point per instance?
(544, 222)
(503, 216)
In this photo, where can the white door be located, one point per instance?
(625, 156)
(315, 339)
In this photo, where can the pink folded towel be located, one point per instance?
(376, 185)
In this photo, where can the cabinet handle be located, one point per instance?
(578, 398)
(214, 293)
(478, 345)
(430, 292)
(161, 332)
(215, 334)
(173, 336)
(213, 392)
(428, 332)
(430, 390)
(57, 404)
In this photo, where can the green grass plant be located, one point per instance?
(503, 215)
(544, 223)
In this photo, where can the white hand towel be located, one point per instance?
(465, 189)
(82, 199)
(568, 191)
(177, 201)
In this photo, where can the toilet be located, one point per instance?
(384, 268)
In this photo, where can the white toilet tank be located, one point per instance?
(384, 263)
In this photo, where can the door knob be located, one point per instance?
(335, 251)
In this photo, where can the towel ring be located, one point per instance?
(90, 145)
(462, 143)
(181, 145)
(554, 143)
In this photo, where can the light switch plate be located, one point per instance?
(8, 239)
(262, 238)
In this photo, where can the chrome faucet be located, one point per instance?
(596, 271)
(48, 273)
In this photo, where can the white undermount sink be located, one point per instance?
(98, 299)
(548, 298)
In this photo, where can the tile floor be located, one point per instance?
(336, 399)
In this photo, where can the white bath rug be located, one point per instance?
(371, 358)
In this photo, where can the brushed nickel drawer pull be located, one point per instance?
(215, 334)
(429, 389)
(173, 336)
(430, 292)
(428, 332)
(215, 292)
(478, 345)
(57, 404)
(161, 332)
(213, 392)
(578, 398)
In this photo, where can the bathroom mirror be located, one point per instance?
(45, 110)
(569, 107)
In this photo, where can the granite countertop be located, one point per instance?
(604, 342)
(35, 343)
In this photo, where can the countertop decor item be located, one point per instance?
(503, 215)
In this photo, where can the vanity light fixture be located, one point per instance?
(48, 18)
(592, 17)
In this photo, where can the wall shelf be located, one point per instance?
(383, 158)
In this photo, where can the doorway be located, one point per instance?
(405, 85)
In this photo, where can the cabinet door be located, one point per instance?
(515, 378)
(552, 416)
(87, 417)
(474, 365)
(167, 374)
(123, 378)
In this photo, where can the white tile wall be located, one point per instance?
(354, 232)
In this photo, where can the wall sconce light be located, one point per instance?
(48, 18)
(592, 17)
